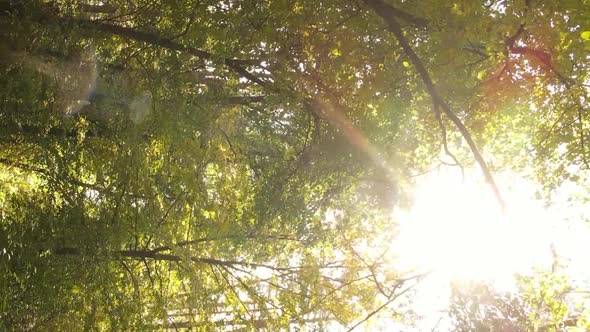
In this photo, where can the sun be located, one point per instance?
(456, 229)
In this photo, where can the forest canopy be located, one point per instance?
(234, 165)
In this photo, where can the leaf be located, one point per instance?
(481, 74)
(334, 53)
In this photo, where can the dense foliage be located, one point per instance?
(226, 164)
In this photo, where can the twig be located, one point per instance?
(232, 288)
(582, 143)
(190, 22)
(374, 312)
(231, 147)
(444, 140)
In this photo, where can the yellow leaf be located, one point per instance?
(335, 53)
(481, 75)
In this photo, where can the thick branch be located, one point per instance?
(384, 10)
(98, 9)
(245, 100)
(151, 255)
(258, 323)
(235, 237)
(49, 14)
(46, 172)
(153, 39)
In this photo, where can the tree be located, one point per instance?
(540, 304)
(221, 164)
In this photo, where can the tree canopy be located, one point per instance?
(224, 165)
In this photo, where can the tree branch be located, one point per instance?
(384, 305)
(207, 239)
(384, 11)
(151, 255)
(155, 40)
(245, 100)
(383, 8)
(97, 9)
(48, 13)
(582, 137)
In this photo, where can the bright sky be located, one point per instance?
(456, 229)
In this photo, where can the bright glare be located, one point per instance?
(456, 229)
